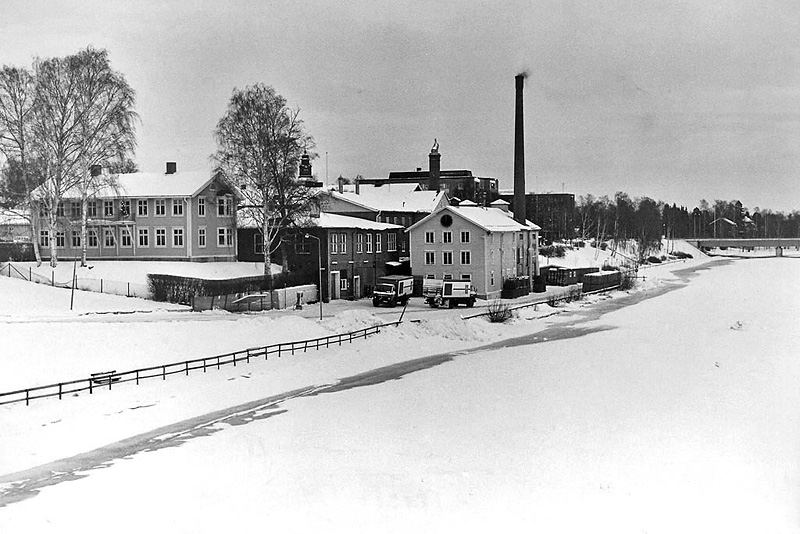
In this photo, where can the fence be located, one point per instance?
(278, 299)
(105, 380)
(98, 285)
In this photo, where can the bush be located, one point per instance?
(552, 251)
(607, 267)
(499, 312)
(627, 282)
(653, 259)
(682, 255)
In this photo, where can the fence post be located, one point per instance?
(59, 392)
(217, 363)
(52, 278)
(187, 367)
(234, 359)
(279, 350)
(129, 289)
(27, 397)
(204, 365)
(248, 355)
(137, 377)
(101, 285)
(91, 382)
(163, 372)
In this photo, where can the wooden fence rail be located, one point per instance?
(105, 380)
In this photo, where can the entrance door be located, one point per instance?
(334, 287)
(356, 287)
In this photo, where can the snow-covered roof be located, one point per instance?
(153, 184)
(11, 218)
(333, 220)
(490, 219)
(393, 197)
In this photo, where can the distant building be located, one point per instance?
(149, 216)
(459, 184)
(483, 245)
(553, 212)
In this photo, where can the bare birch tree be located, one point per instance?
(260, 142)
(83, 116)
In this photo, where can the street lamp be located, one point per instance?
(319, 270)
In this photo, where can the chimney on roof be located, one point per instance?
(305, 167)
(172, 167)
(95, 170)
(519, 154)
(358, 184)
(340, 180)
(434, 167)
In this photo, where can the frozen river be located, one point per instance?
(679, 413)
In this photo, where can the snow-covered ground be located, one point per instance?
(674, 414)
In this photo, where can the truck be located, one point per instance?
(392, 290)
(448, 293)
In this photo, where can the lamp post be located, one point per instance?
(319, 270)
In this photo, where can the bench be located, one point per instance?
(104, 378)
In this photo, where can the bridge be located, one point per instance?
(778, 243)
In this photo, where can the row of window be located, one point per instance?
(447, 257)
(448, 276)
(365, 243)
(224, 238)
(224, 208)
(447, 237)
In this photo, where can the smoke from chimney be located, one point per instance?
(519, 153)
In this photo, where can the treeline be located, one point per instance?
(645, 220)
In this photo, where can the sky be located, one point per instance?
(675, 100)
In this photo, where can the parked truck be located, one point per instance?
(392, 290)
(448, 293)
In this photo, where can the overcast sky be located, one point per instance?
(676, 100)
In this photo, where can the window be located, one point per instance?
(369, 243)
(466, 277)
(76, 239)
(225, 237)
(447, 276)
(42, 211)
(108, 238)
(465, 236)
(60, 240)
(258, 244)
(343, 244)
(60, 209)
(201, 237)
(302, 247)
(125, 237)
(343, 283)
(44, 238)
(429, 237)
(447, 257)
(125, 208)
(391, 242)
(91, 208)
(92, 240)
(177, 237)
(108, 208)
(430, 276)
(447, 237)
(177, 207)
(378, 244)
(160, 207)
(359, 243)
(491, 278)
(430, 258)
(75, 210)
(141, 208)
(161, 237)
(144, 236)
(334, 243)
(225, 206)
(466, 257)
(201, 207)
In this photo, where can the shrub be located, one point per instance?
(499, 312)
(627, 281)
(682, 255)
(607, 267)
(653, 259)
(552, 251)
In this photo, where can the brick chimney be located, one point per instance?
(518, 205)
(172, 167)
(434, 167)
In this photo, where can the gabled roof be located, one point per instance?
(490, 219)
(333, 221)
(155, 184)
(393, 197)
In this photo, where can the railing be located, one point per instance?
(97, 285)
(105, 380)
